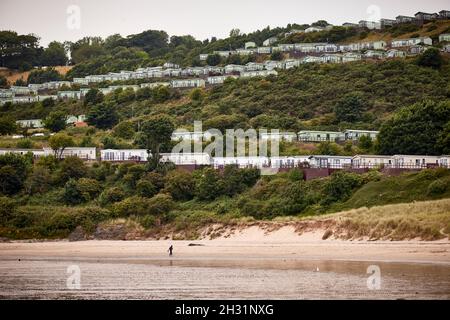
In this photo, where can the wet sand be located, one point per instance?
(225, 269)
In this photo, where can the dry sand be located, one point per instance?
(249, 264)
(252, 242)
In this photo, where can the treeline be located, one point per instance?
(23, 52)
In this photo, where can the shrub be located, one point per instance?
(80, 191)
(160, 204)
(39, 181)
(437, 187)
(148, 221)
(112, 195)
(131, 206)
(71, 168)
(340, 187)
(180, 185)
(124, 130)
(7, 209)
(145, 188)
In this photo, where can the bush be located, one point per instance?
(340, 187)
(145, 188)
(112, 195)
(7, 208)
(180, 185)
(124, 130)
(160, 204)
(437, 187)
(83, 190)
(131, 206)
(71, 168)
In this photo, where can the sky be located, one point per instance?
(71, 20)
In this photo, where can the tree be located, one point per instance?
(365, 143)
(13, 172)
(180, 185)
(39, 181)
(82, 190)
(213, 59)
(430, 58)
(93, 96)
(207, 184)
(124, 130)
(71, 167)
(416, 129)
(54, 55)
(59, 142)
(7, 125)
(55, 121)
(155, 132)
(350, 108)
(328, 148)
(41, 76)
(235, 33)
(102, 116)
(276, 56)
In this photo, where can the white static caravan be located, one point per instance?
(415, 162)
(219, 79)
(444, 161)
(37, 153)
(185, 159)
(291, 63)
(350, 57)
(6, 93)
(357, 134)
(280, 136)
(152, 85)
(203, 56)
(31, 123)
(261, 73)
(253, 66)
(393, 53)
(411, 42)
(241, 162)
(188, 83)
(81, 81)
(69, 95)
(272, 65)
(270, 41)
(318, 136)
(187, 136)
(332, 58)
(89, 153)
(289, 162)
(264, 50)
(234, 68)
(337, 162)
(372, 161)
(112, 155)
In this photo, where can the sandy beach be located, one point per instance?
(250, 264)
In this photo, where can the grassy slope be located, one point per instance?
(406, 188)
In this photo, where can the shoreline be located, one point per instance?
(428, 252)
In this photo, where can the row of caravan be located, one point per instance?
(204, 159)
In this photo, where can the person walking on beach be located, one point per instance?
(170, 250)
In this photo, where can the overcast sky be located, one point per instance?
(201, 18)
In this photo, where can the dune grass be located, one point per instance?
(427, 220)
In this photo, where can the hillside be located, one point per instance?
(12, 75)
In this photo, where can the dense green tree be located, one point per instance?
(13, 172)
(180, 185)
(350, 108)
(207, 184)
(44, 75)
(54, 55)
(430, 58)
(59, 142)
(155, 132)
(71, 168)
(55, 121)
(7, 126)
(416, 129)
(93, 96)
(102, 116)
(213, 59)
